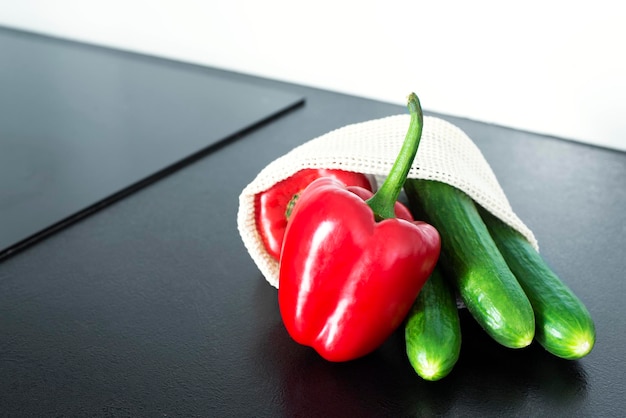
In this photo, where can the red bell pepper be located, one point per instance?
(350, 269)
(273, 206)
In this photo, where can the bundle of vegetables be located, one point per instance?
(354, 266)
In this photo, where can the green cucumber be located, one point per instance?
(474, 264)
(432, 330)
(564, 326)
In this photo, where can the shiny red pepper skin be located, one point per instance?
(346, 281)
(271, 205)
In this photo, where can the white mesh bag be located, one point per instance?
(445, 154)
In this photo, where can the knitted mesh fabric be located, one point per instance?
(445, 154)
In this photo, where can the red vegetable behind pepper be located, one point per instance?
(349, 269)
(273, 206)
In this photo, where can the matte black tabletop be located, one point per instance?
(152, 307)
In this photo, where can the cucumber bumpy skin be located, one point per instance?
(564, 326)
(433, 330)
(473, 262)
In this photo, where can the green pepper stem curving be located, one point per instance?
(383, 201)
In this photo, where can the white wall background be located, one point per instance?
(554, 67)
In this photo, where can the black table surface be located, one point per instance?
(152, 306)
(81, 126)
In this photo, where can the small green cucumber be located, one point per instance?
(432, 330)
(564, 326)
(473, 262)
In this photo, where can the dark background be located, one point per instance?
(152, 307)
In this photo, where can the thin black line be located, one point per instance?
(117, 196)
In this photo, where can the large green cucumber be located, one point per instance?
(432, 330)
(564, 326)
(483, 279)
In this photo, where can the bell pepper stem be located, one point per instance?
(383, 201)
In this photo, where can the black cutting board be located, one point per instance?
(81, 126)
